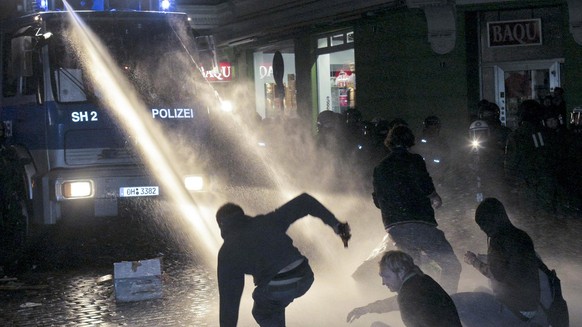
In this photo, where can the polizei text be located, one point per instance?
(175, 113)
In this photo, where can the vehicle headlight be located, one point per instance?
(77, 189)
(194, 183)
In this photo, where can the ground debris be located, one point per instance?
(30, 305)
(104, 279)
(8, 279)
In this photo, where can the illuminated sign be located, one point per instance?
(173, 113)
(266, 70)
(81, 116)
(515, 33)
(223, 73)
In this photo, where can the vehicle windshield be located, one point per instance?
(147, 50)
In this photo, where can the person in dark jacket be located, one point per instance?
(405, 194)
(259, 246)
(422, 301)
(511, 265)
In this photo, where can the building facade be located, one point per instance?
(413, 58)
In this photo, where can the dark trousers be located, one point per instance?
(270, 301)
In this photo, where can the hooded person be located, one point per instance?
(511, 266)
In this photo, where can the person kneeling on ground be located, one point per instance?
(511, 266)
(421, 300)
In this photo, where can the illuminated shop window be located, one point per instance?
(336, 72)
(268, 105)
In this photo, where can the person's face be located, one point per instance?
(390, 279)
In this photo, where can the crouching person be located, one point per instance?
(259, 246)
(421, 300)
(511, 266)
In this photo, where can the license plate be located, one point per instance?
(139, 191)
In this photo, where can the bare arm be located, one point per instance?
(435, 200)
(380, 306)
(472, 259)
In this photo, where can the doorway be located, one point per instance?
(509, 84)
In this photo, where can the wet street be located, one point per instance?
(69, 281)
(66, 276)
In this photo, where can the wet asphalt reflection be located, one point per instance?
(71, 299)
(66, 279)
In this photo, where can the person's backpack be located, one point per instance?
(556, 308)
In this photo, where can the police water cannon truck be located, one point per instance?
(72, 151)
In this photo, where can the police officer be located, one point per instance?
(491, 114)
(530, 161)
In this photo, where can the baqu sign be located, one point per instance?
(515, 33)
(222, 73)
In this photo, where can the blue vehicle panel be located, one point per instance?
(58, 118)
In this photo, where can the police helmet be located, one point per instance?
(489, 112)
(482, 103)
(381, 127)
(326, 119)
(479, 130)
(530, 111)
(396, 122)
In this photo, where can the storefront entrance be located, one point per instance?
(513, 82)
